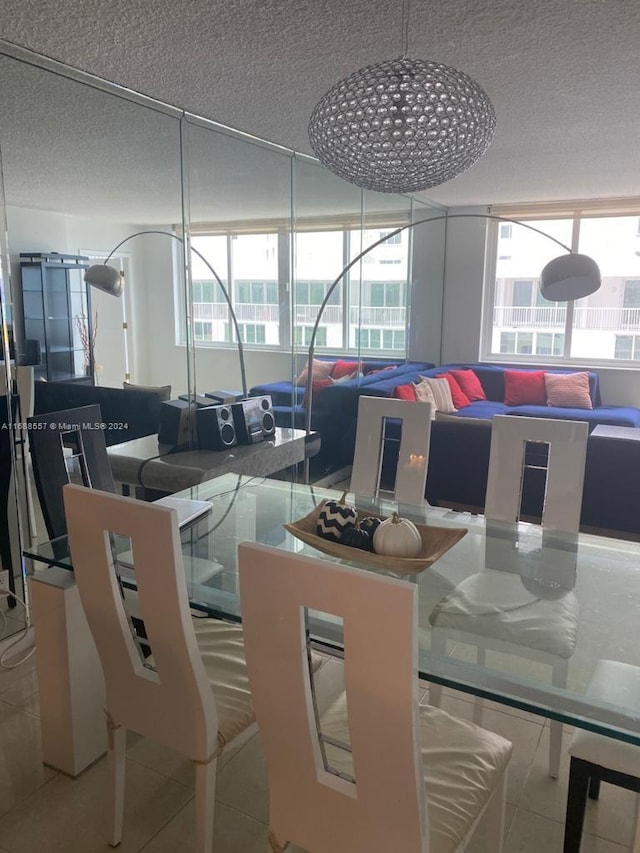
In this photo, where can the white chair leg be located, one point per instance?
(494, 817)
(558, 679)
(555, 748)
(635, 838)
(205, 801)
(116, 757)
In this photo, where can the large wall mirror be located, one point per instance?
(219, 238)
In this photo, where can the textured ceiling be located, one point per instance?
(564, 75)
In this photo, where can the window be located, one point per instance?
(627, 347)
(303, 336)
(255, 271)
(376, 339)
(252, 333)
(247, 264)
(505, 230)
(203, 331)
(602, 326)
(532, 343)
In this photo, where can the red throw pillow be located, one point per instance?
(316, 387)
(405, 392)
(469, 383)
(460, 399)
(525, 387)
(343, 368)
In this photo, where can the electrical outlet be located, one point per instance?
(4, 582)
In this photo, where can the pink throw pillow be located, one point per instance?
(321, 370)
(570, 390)
(525, 387)
(469, 383)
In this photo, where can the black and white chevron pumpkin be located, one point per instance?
(334, 518)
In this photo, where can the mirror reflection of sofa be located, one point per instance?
(460, 440)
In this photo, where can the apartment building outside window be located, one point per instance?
(366, 311)
(597, 328)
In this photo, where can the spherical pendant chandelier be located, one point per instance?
(402, 126)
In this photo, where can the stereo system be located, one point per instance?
(177, 422)
(216, 428)
(254, 419)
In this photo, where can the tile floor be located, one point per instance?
(46, 812)
(43, 811)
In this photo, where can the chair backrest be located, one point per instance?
(413, 455)
(567, 451)
(72, 438)
(383, 809)
(172, 703)
(163, 391)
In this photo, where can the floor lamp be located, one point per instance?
(108, 279)
(564, 278)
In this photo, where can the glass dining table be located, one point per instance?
(542, 596)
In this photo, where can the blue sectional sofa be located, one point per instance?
(335, 408)
(460, 442)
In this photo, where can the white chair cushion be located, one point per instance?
(618, 684)
(496, 605)
(462, 764)
(221, 646)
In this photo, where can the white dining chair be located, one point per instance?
(532, 626)
(192, 695)
(376, 772)
(596, 758)
(413, 453)
(508, 462)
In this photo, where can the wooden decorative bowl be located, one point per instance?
(436, 541)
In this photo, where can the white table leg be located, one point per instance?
(70, 680)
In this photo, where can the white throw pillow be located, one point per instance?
(441, 392)
(424, 394)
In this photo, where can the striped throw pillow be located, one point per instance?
(441, 392)
(570, 390)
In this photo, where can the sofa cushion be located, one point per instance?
(319, 370)
(344, 368)
(612, 415)
(405, 392)
(317, 385)
(436, 391)
(469, 383)
(523, 387)
(570, 390)
(458, 396)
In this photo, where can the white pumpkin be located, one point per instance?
(397, 537)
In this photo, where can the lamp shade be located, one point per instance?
(105, 278)
(569, 277)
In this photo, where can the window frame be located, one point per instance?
(576, 216)
(288, 283)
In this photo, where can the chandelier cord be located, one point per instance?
(406, 8)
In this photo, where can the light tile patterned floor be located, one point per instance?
(43, 811)
(46, 812)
